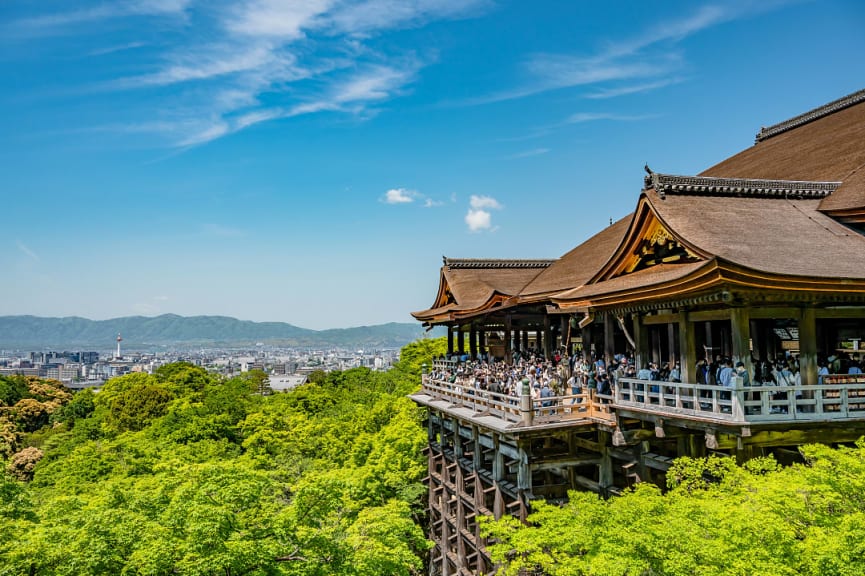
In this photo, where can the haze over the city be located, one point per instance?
(311, 162)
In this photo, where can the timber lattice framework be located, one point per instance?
(492, 454)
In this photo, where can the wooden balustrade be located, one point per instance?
(837, 398)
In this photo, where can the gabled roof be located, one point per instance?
(826, 144)
(473, 285)
(770, 231)
(577, 266)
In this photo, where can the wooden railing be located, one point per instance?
(839, 397)
(745, 404)
(545, 410)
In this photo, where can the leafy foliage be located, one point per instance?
(718, 519)
(184, 472)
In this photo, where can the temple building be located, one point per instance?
(757, 258)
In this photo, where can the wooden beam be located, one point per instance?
(845, 312)
(650, 320)
(767, 313)
(710, 315)
(565, 462)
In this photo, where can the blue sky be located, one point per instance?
(310, 162)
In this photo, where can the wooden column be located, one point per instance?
(609, 338)
(525, 345)
(671, 344)
(473, 341)
(508, 344)
(548, 337)
(587, 343)
(641, 342)
(740, 324)
(688, 346)
(461, 344)
(563, 329)
(482, 341)
(808, 346)
(450, 339)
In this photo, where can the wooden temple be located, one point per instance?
(759, 256)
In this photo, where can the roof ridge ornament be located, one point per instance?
(665, 184)
(457, 263)
(830, 108)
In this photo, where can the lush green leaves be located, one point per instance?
(183, 472)
(718, 519)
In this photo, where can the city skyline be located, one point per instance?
(311, 163)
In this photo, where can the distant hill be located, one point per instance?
(23, 332)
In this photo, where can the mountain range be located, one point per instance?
(33, 332)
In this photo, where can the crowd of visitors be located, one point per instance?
(563, 375)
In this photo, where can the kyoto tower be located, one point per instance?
(117, 354)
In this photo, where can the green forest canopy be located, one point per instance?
(185, 472)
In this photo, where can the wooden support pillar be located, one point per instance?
(609, 337)
(641, 342)
(740, 323)
(524, 478)
(808, 346)
(482, 341)
(450, 340)
(563, 330)
(671, 344)
(548, 337)
(461, 344)
(605, 468)
(498, 476)
(473, 342)
(525, 345)
(688, 348)
(509, 355)
(587, 343)
(710, 351)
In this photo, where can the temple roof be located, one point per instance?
(577, 266)
(473, 285)
(826, 144)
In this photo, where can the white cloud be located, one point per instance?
(56, 22)
(241, 63)
(603, 93)
(399, 196)
(652, 56)
(430, 203)
(478, 217)
(478, 220)
(581, 117)
(27, 251)
(530, 153)
(479, 202)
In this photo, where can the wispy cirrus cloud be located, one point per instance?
(60, 22)
(24, 249)
(530, 153)
(615, 92)
(647, 61)
(235, 64)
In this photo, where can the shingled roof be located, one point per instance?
(577, 266)
(826, 144)
(472, 285)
